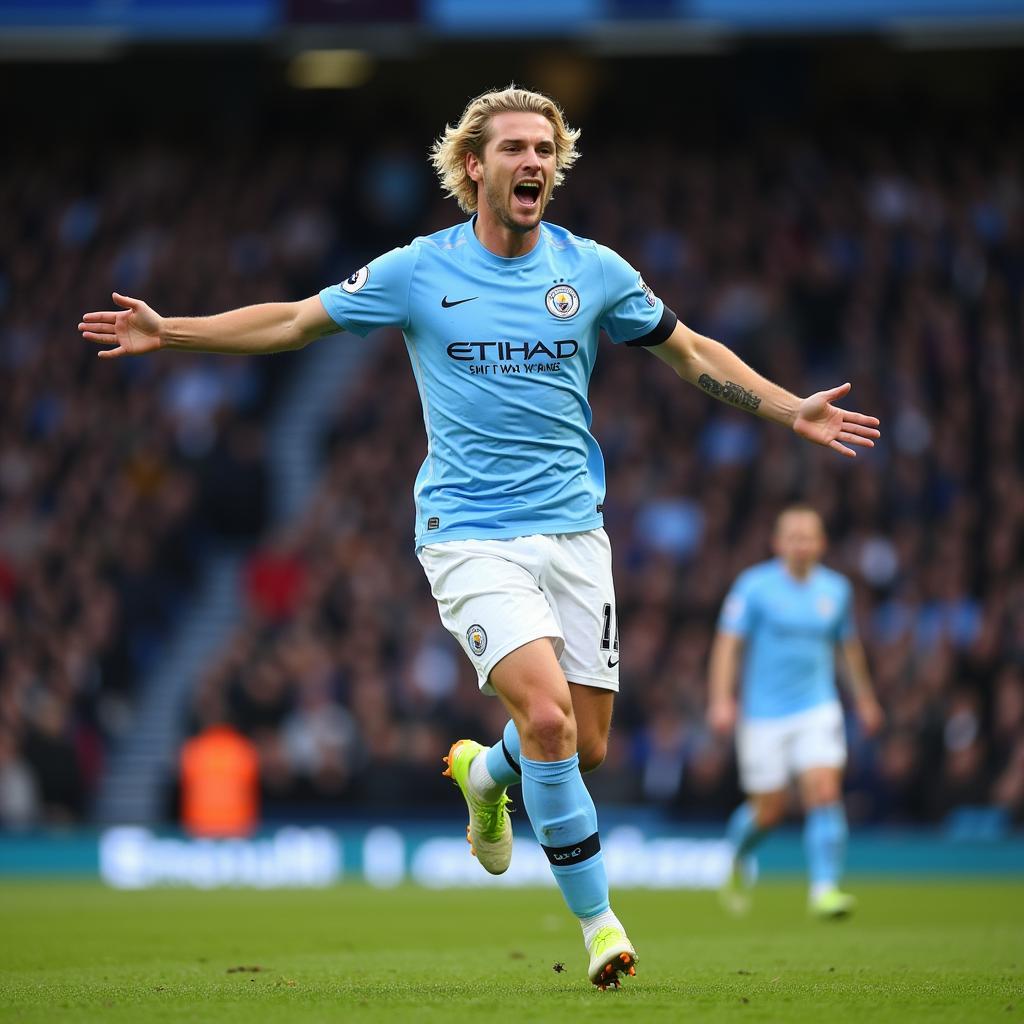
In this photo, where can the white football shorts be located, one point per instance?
(494, 596)
(771, 751)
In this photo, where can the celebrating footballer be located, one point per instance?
(501, 315)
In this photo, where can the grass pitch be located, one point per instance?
(79, 952)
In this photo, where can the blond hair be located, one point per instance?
(471, 134)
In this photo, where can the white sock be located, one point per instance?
(592, 925)
(482, 782)
(819, 889)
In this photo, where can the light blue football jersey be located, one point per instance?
(502, 350)
(790, 629)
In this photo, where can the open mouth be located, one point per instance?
(527, 193)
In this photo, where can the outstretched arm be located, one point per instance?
(251, 330)
(722, 374)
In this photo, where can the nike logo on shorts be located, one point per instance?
(612, 664)
(457, 302)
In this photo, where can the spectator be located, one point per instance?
(219, 783)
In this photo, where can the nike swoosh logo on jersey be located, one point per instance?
(457, 302)
(612, 664)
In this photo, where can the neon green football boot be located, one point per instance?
(734, 892)
(611, 954)
(489, 832)
(832, 905)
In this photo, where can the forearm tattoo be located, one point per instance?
(729, 392)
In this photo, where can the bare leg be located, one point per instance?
(592, 707)
(534, 690)
(821, 786)
(769, 808)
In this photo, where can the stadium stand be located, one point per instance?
(878, 257)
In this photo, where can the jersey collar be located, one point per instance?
(511, 262)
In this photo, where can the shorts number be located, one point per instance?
(606, 635)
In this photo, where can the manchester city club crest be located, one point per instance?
(477, 637)
(562, 301)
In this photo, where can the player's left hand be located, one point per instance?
(871, 715)
(820, 421)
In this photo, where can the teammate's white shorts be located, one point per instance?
(771, 751)
(494, 596)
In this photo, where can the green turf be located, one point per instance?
(78, 952)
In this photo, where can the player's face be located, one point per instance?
(800, 540)
(517, 172)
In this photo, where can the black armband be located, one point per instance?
(665, 326)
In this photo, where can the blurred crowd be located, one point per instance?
(115, 476)
(889, 261)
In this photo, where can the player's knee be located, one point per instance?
(823, 793)
(769, 813)
(551, 729)
(592, 753)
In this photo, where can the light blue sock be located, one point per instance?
(743, 832)
(825, 835)
(565, 823)
(503, 758)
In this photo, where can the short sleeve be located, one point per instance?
(632, 314)
(738, 609)
(375, 296)
(846, 628)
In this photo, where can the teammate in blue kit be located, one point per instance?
(780, 629)
(501, 316)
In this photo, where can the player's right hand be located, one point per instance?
(132, 331)
(722, 716)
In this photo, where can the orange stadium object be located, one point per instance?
(219, 784)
